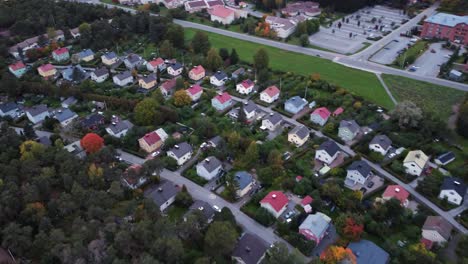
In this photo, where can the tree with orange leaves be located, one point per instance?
(353, 230)
(92, 142)
(335, 254)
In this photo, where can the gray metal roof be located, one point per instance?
(216, 140)
(205, 208)
(210, 163)
(350, 124)
(249, 107)
(181, 149)
(110, 55)
(275, 118)
(164, 192)
(64, 114)
(250, 248)
(447, 19)
(120, 126)
(176, 66)
(149, 78)
(101, 71)
(317, 223)
(300, 131)
(330, 147)
(455, 184)
(361, 166)
(85, 53)
(8, 106)
(243, 178)
(133, 58)
(70, 100)
(37, 109)
(124, 75)
(220, 75)
(367, 252)
(296, 101)
(381, 140)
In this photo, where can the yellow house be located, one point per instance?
(47, 70)
(147, 82)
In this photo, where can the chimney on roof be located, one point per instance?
(207, 160)
(418, 156)
(113, 123)
(273, 196)
(160, 189)
(176, 146)
(397, 190)
(456, 183)
(247, 249)
(201, 208)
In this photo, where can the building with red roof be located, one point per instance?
(221, 101)
(168, 87)
(338, 111)
(270, 94)
(47, 70)
(307, 200)
(153, 140)
(275, 202)
(396, 192)
(18, 69)
(245, 87)
(298, 178)
(155, 64)
(197, 73)
(221, 14)
(61, 54)
(195, 92)
(320, 116)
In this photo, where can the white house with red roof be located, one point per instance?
(195, 92)
(320, 116)
(245, 87)
(168, 87)
(18, 69)
(270, 94)
(305, 203)
(396, 192)
(153, 140)
(222, 101)
(47, 71)
(155, 64)
(61, 54)
(197, 73)
(222, 14)
(275, 202)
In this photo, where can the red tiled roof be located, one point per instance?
(221, 11)
(151, 138)
(60, 51)
(272, 90)
(198, 69)
(194, 89)
(298, 178)
(215, 3)
(247, 83)
(322, 112)
(156, 62)
(222, 98)
(397, 192)
(307, 200)
(169, 84)
(276, 199)
(17, 65)
(46, 67)
(427, 243)
(338, 111)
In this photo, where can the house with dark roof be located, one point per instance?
(153, 140)
(175, 69)
(275, 202)
(250, 109)
(250, 249)
(436, 229)
(37, 113)
(219, 78)
(298, 135)
(357, 173)
(181, 152)
(133, 61)
(327, 152)
(215, 141)
(164, 194)
(75, 74)
(76, 149)
(118, 128)
(272, 121)
(86, 55)
(367, 252)
(453, 189)
(445, 158)
(295, 104)
(123, 79)
(65, 116)
(9, 109)
(148, 82)
(69, 102)
(203, 208)
(348, 130)
(380, 144)
(209, 168)
(245, 182)
(320, 116)
(99, 75)
(238, 73)
(92, 122)
(315, 227)
(109, 58)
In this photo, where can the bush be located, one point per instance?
(264, 217)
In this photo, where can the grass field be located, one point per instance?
(432, 98)
(356, 81)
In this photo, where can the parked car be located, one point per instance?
(289, 214)
(363, 190)
(370, 184)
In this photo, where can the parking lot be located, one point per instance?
(389, 52)
(428, 64)
(353, 33)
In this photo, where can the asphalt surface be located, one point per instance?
(428, 64)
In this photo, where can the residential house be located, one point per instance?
(69, 102)
(250, 249)
(132, 177)
(221, 101)
(415, 162)
(315, 227)
(245, 182)
(9, 109)
(301, 8)
(175, 69)
(380, 144)
(238, 73)
(109, 58)
(446, 26)
(164, 194)
(37, 113)
(65, 116)
(250, 109)
(47, 71)
(92, 121)
(148, 82)
(123, 79)
(203, 208)
(75, 74)
(445, 158)
(75, 149)
(306, 203)
(367, 252)
(436, 229)
(219, 78)
(320, 116)
(118, 128)
(299, 135)
(275, 202)
(215, 141)
(327, 152)
(295, 104)
(181, 152)
(282, 26)
(396, 192)
(86, 55)
(453, 189)
(100, 75)
(170, 4)
(270, 94)
(338, 111)
(357, 173)
(222, 14)
(195, 92)
(209, 168)
(32, 43)
(272, 121)
(195, 6)
(18, 69)
(75, 32)
(61, 54)
(167, 88)
(348, 130)
(6, 257)
(133, 61)
(197, 73)
(245, 87)
(156, 64)
(153, 140)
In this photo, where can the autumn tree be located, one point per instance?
(31, 149)
(92, 143)
(353, 230)
(213, 60)
(336, 254)
(181, 98)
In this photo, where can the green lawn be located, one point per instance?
(432, 98)
(359, 82)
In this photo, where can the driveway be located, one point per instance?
(428, 64)
(389, 52)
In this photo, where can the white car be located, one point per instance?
(156, 153)
(217, 209)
